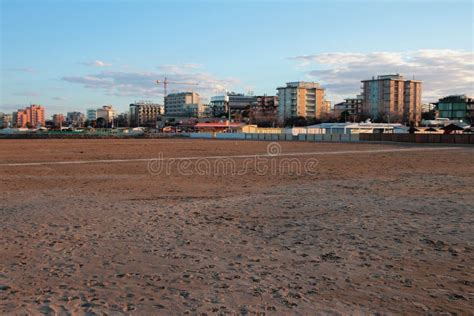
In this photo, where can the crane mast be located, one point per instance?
(166, 82)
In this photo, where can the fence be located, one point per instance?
(280, 137)
(420, 138)
(407, 138)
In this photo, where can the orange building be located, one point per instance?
(306, 99)
(393, 98)
(30, 117)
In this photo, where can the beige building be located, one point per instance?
(183, 104)
(144, 113)
(105, 116)
(301, 99)
(58, 120)
(392, 98)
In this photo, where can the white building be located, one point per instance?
(358, 128)
(184, 104)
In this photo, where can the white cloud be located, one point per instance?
(143, 84)
(96, 63)
(442, 71)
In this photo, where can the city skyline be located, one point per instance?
(85, 54)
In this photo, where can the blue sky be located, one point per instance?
(73, 55)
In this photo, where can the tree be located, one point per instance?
(344, 116)
(430, 115)
(296, 121)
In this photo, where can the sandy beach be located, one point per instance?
(375, 228)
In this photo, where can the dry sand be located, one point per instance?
(375, 232)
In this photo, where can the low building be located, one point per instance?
(456, 107)
(144, 114)
(239, 104)
(351, 106)
(183, 104)
(442, 122)
(219, 127)
(357, 128)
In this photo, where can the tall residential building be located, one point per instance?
(456, 107)
(186, 104)
(301, 98)
(31, 116)
(144, 113)
(264, 110)
(393, 98)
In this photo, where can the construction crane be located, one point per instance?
(166, 82)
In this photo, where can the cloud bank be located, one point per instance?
(442, 71)
(142, 84)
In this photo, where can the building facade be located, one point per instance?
(392, 98)
(305, 99)
(75, 119)
(239, 104)
(144, 114)
(352, 106)
(264, 110)
(58, 120)
(32, 116)
(91, 114)
(105, 116)
(6, 120)
(183, 104)
(456, 107)
(219, 105)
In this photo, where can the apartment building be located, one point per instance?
(144, 113)
(58, 120)
(264, 110)
(32, 116)
(391, 97)
(91, 114)
(5, 120)
(301, 98)
(352, 106)
(76, 119)
(183, 104)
